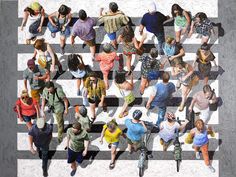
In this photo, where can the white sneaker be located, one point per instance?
(198, 155)
(211, 168)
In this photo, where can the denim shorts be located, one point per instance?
(112, 36)
(116, 144)
(28, 118)
(74, 156)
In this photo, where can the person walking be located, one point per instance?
(27, 108)
(59, 21)
(81, 115)
(112, 133)
(136, 130)
(199, 137)
(33, 18)
(113, 20)
(160, 95)
(77, 145)
(83, 28)
(57, 104)
(153, 22)
(36, 77)
(41, 135)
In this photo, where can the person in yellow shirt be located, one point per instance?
(111, 132)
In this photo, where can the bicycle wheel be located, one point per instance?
(141, 171)
(177, 165)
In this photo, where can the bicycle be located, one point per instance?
(177, 148)
(143, 149)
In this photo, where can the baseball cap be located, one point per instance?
(40, 122)
(30, 62)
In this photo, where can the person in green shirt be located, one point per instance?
(57, 104)
(82, 117)
(77, 144)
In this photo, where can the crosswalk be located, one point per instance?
(97, 166)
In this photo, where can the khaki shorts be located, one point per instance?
(90, 43)
(136, 143)
(36, 94)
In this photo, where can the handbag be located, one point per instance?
(213, 106)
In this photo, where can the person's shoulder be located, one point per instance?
(127, 121)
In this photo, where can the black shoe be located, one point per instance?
(45, 173)
(83, 45)
(72, 173)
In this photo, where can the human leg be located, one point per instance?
(161, 40)
(60, 124)
(161, 115)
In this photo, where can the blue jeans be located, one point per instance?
(161, 114)
(54, 29)
(44, 151)
(161, 40)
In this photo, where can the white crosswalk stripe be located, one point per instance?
(195, 168)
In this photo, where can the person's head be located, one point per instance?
(93, 77)
(165, 77)
(31, 64)
(106, 47)
(137, 114)
(154, 52)
(113, 7)
(82, 14)
(34, 8)
(199, 124)
(24, 96)
(170, 116)
(80, 110)
(40, 123)
(200, 17)
(207, 91)
(176, 10)
(74, 63)
(180, 64)
(64, 10)
(50, 86)
(127, 33)
(39, 44)
(112, 125)
(170, 40)
(76, 128)
(120, 77)
(152, 7)
(205, 47)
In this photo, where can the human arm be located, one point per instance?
(102, 134)
(151, 98)
(50, 18)
(52, 54)
(42, 19)
(141, 27)
(86, 145)
(180, 54)
(24, 20)
(194, 100)
(37, 108)
(32, 150)
(190, 72)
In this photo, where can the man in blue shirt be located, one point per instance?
(40, 135)
(153, 22)
(161, 94)
(136, 129)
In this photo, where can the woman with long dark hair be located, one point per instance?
(182, 21)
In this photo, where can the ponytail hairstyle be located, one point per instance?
(75, 62)
(127, 33)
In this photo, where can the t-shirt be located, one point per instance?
(99, 91)
(76, 142)
(167, 132)
(41, 138)
(205, 58)
(135, 130)
(84, 121)
(201, 101)
(55, 100)
(154, 22)
(84, 29)
(106, 60)
(27, 110)
(162, 93)
(112, 137)
(171, 50)
(29, 75)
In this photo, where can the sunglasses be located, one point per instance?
(24, 97)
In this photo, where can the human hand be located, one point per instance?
(66, 112)
(21, 28)
(40, 29)
(52, 68)
(32, 151)
(190, 109)
(84, 153)
(100, 104)
(101, 141)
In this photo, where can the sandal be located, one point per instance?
(112, 165)
(181, 108)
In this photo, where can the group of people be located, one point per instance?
(45, 96)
